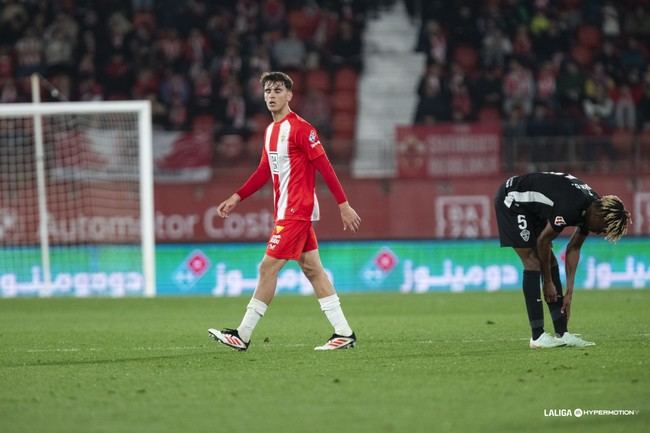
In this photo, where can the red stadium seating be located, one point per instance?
(318, 79)
(346, 79)
(343, 125)
(341, 149)
(344, 102)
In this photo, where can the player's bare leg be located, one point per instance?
(269, 269)
(330, 304)
(239, 338)
(313, 269)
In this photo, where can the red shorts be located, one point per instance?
(291, 238)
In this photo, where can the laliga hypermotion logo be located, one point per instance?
(379, 267)
(191, 270)
(8, 220)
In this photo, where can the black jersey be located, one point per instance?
(559, 198)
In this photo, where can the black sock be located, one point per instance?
(559, 319)
(534, 307)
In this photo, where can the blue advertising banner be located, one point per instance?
(230, 269)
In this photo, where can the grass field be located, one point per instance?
(424, 363)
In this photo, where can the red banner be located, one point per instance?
(397, 209)
(448, 150)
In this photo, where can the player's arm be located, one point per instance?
(255, 181)
(349, 216)
(572, 258)
(544, 242)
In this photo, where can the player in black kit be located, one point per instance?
(531, 211)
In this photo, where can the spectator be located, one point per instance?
(625, 110)
(117, 77)
(633, 56)
(432, 102)
(461, 105)
(8, 92)
(546, 85)
(175, 88)
(570, 85)
(611, 23)
(522, 46)
(518, 88)
(496, 47)
(433, 43)
(289, 53)
(346, 48)
(599, 105)
(58, 51)
(488, 90)
(29, 53)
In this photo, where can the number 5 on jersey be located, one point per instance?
(521, 220)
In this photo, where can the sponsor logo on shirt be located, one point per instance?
(559, 221)
(273, 159)
(313, 139)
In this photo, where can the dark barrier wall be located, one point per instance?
(390, 209)
(393, 209)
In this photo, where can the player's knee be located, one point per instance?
(311, 271)
(268, 270)
(531, 263)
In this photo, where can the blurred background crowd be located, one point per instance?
(540, 67)
(197, 61)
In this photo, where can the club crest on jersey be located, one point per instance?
(525, 235)
(559, 221)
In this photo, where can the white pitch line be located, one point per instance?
(97, 349)
(188, 348)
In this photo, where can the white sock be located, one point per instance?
(331, 306)
(254, 312)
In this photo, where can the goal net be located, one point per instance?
(76, 199)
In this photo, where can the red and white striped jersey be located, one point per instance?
(289, 147)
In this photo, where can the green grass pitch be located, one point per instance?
(424, 363)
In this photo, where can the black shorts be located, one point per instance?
(517, 228)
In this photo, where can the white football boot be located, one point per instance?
(337, 341)
(572, 340)
(545, 341)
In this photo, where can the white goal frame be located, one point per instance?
(143, 109)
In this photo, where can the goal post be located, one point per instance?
(76, 189)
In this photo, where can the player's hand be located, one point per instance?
(226, 206)
(550, 293)
(566, 307)
(351, 220)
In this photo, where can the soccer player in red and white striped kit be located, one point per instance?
(292, 153)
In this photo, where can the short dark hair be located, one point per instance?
(277, 77)
(616, 217)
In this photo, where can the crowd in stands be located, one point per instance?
(197, 61)
(543, 68)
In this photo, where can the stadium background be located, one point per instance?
(423, 108)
